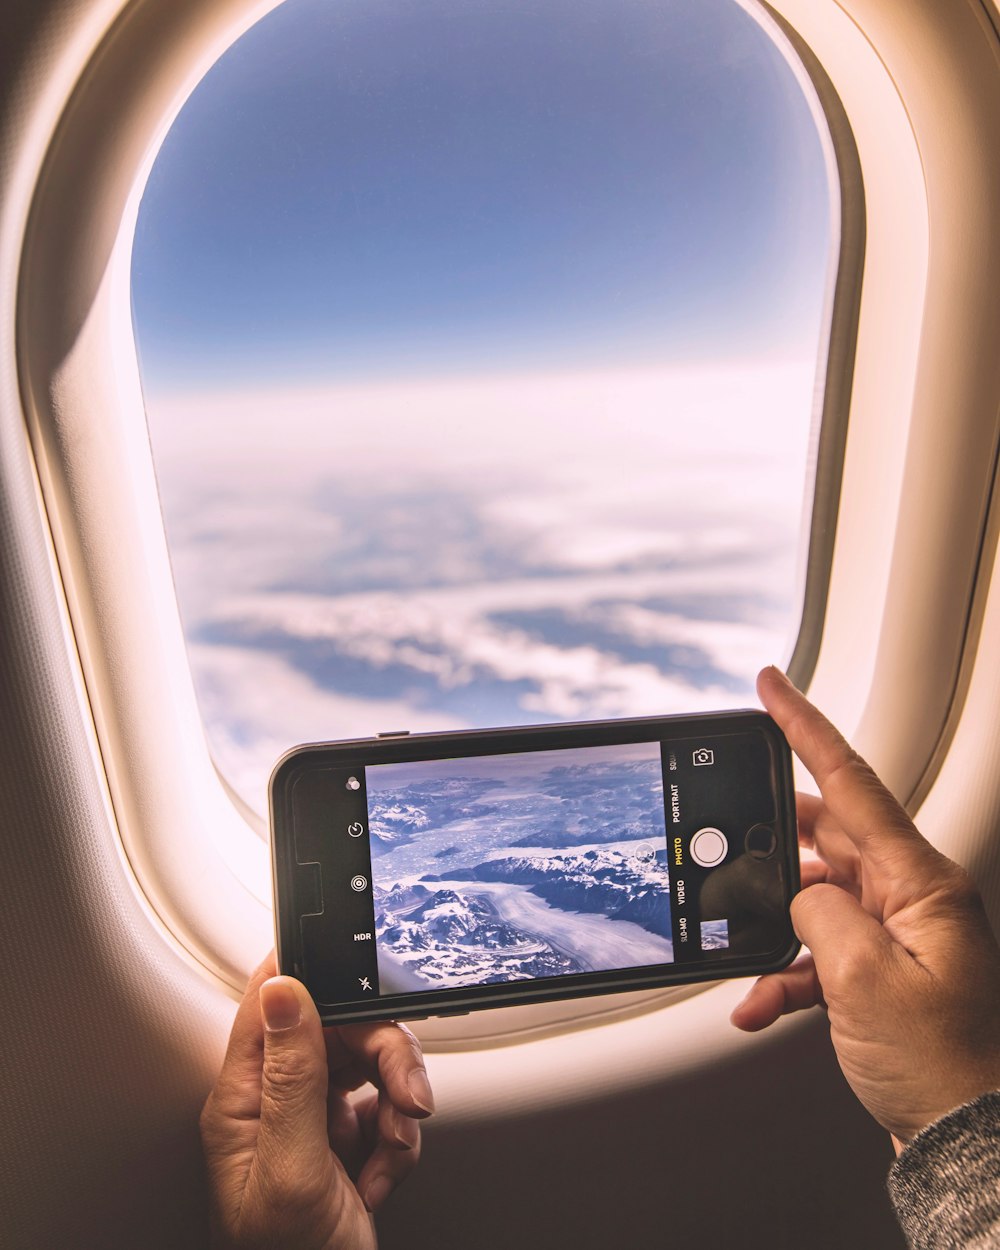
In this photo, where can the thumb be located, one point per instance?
(845, 940)
(292, 1137)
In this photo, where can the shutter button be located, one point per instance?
(709, 847)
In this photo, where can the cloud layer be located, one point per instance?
(464, 552)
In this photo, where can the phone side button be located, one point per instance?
(394, 733)
(443, 1015)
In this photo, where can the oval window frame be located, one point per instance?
(202, 877)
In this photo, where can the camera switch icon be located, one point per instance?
(703, 756)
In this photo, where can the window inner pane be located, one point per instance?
(479, 347)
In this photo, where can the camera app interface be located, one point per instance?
(456, 873)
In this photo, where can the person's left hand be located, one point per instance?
(292, 1161)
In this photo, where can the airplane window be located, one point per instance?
(480, 348)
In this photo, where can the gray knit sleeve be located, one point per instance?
(945, 1186)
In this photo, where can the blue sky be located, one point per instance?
(395, 187)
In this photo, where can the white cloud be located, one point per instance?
(450, 637)
(256, 706)
(651, 424)
(582, 495)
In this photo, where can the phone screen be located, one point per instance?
(451, 873)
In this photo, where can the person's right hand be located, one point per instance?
(902, 953)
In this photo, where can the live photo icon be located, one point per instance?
(703, 756)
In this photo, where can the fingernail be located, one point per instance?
(376, 1192)
(420, 1090)
(405, 1130)
(782, 676)
(279, 1005)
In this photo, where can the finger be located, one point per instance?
(779, 994)
(345, 1075)
(387, 1166)
(819, 832)
(292, 1144)
(395, 1062)
(864, 809)
(236, 1094)
(344, 1133)
(399, 1131)
(348, 1071)
(842, 936)
(808, 810)
(812, 872)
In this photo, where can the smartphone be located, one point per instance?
(436, 874)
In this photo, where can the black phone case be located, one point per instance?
(295, 897)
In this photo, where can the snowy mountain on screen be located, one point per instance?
(454, 938)
(603, 880)
(396, 816)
